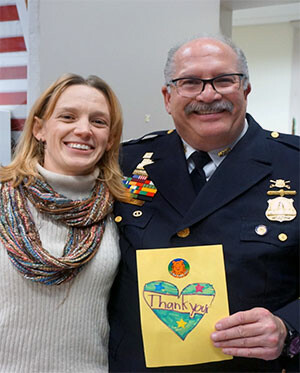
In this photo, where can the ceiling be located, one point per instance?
(255, 12)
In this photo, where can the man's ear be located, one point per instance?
(167, 98)
(247, 91)
(38, 129)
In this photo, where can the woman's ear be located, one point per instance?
(38, 129)
(109, 144)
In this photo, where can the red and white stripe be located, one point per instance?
(13, 64)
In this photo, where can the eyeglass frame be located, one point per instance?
(204, 81)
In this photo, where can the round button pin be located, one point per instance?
(118, 219)
(275, 134)
(261, 230)
(282, 237)
(184, 233)
(137, 213)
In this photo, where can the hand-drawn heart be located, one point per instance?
(180, 312)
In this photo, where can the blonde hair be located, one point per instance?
(27, 153)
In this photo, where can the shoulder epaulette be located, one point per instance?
(148, 136)
(291, 140)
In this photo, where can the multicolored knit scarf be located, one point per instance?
(19, 234)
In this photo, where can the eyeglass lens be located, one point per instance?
(193, 86)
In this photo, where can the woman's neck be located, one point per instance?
(73, 187)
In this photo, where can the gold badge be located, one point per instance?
(281, 208)
(140, 167)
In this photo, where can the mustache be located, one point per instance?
(201, 107)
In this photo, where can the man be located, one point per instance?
(207, 85)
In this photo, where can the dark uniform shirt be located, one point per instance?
(262, 264)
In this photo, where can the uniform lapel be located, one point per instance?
(247, 164)
(170, 174)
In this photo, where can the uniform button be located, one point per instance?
(282, 237)
(261, 230)
(137, 213)
(184, 233)
(118, 219)
(275, 134)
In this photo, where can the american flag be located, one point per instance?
(13, 62)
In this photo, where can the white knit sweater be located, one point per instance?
(60, 328)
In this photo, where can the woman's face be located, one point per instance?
(77, 133)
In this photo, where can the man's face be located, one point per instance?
(206, 59)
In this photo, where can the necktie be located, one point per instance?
(197, 175)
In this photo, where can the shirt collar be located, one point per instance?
(217, 159)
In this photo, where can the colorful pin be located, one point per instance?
(178, 268)
(138, 185)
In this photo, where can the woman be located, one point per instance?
(58, 244)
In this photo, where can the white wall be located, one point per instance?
(295, 84)
(269, 50)
(123, 41)
(126, 42)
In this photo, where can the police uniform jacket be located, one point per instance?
(262, 270)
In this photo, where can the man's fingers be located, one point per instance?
(241, 318)
(258, 352)
(240, 331)
(266, 328)
(254, 333)
(259, 341)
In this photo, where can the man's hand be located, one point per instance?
(255, 333)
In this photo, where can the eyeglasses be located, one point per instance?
(192, 87)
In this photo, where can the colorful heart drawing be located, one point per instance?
(180, 312)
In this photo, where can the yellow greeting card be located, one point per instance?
(182, 294)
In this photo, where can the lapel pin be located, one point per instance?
(224, 152)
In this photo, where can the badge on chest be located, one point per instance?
(281, 208)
